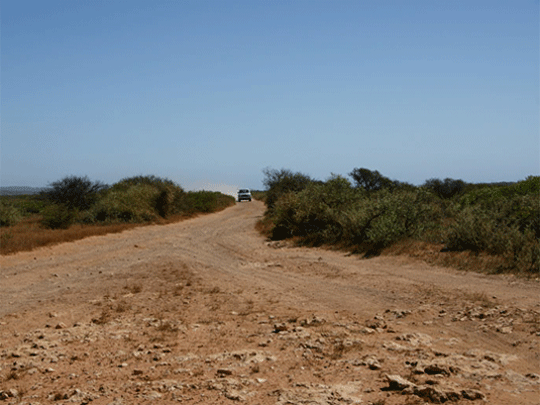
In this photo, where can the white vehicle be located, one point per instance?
(244, 194)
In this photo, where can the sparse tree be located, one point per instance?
(446, 188)
(370, 180)
(74, 192)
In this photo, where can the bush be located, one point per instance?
(313, 212)
(398, 216)
(27, 205)
(334, 212)
(486, 194)
(132, 204)
(369, 180)
(9, 215)
(74, 193)
(505, 227)
(58, 216)
(169, 199)
(208, 201)
(529, 186)
(281, 182)
(446, 189)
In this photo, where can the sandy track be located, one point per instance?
(324, 327)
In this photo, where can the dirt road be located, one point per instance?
(206, 311)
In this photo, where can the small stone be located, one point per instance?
(398, 383)
(153, 395)
(280, 328)
(472, 394)
(373, 364)
(13, 393)
(234, 395)
(504, 330)
(436, 369)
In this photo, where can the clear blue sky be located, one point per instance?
(209, 93)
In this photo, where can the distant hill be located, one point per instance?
(16, 190)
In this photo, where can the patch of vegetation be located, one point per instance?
(336, 213)
(75, 207)
(26, 205)
(132, 204)
(280, 182)
(58, 216)
(501, 220)
(9, 214)
(258, 195)
(208, 201)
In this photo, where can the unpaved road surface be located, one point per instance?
(207, 311)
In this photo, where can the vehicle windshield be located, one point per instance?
(244, 191)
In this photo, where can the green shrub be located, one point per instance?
(149, 180)
(486, 194)
(26, 204)
(313, 213)
(135, 203)
(58, 216)
(529, 186)
(281, 182)
(169, 198)
(208, 201)
(398, 216)
(509, 227)
(335, 212)
(259, 195)
(9, 215)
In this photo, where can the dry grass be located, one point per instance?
(28, 234)
(432, 253)
(265, 226)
